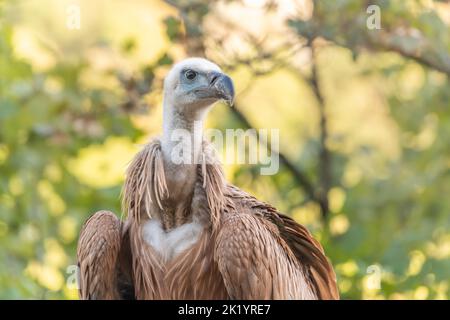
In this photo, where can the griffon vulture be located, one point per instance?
(188, 234)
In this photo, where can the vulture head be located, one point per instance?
(195, 84)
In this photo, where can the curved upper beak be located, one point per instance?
(222, 87)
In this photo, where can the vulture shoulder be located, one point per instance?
(104, 258)
(263, 254)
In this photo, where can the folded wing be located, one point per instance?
(263, 254)
(102, 255)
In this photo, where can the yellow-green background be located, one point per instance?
(76, 104)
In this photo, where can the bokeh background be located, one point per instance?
(364, 119)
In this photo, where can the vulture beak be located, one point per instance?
(222, 87)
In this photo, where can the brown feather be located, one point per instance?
(296, 239)
(145, 182)
(98, 249)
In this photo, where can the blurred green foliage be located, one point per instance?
(75, 104)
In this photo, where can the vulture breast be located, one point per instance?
(175, 264)
(169, 244)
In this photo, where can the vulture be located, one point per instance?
(187, 232)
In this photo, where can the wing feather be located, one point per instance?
(264, 254)
(97, 253)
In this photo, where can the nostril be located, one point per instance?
(213, 78)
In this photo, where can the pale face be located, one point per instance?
(197, 83)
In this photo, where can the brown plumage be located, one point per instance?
(98, 250)
(253, 252)
(218, 242)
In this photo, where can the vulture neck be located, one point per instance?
(182, 130)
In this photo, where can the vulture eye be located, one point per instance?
(190, 74)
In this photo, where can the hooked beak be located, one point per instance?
(223, 87)
(220, 87)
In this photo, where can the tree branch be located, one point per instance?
(325, 160)
(415, 48)
(299, 176)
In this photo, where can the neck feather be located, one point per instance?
(182, 129)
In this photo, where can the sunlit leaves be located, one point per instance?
(173, 28)
(93, 165)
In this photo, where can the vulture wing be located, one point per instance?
(263, 254)
(104, 259)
